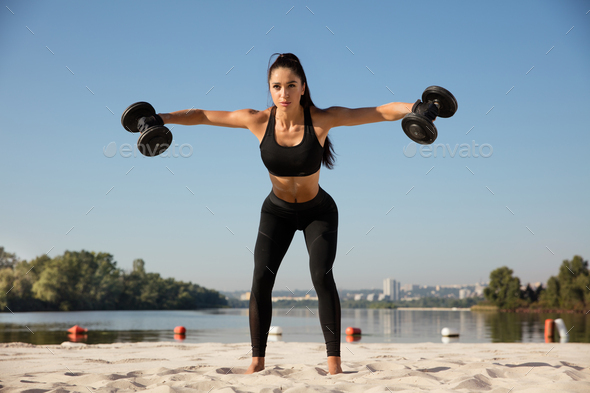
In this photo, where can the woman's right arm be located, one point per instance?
(243, 118)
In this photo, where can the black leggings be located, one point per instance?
(318, 219)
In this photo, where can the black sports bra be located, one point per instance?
(303, 159)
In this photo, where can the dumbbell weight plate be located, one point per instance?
(135, 112)
(154, 141)
(447, 102)
(419, 129)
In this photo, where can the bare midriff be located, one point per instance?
(296, 189)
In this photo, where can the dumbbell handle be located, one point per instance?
(422, 108)
(144, 123)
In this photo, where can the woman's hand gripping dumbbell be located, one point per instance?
(155, 138)
(436, 102)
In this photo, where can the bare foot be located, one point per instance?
(256, 365)
(334, 365)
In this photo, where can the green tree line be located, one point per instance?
(569, 290)
(83, 280)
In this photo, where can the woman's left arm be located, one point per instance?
(338, 116)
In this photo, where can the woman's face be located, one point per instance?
(285, 87)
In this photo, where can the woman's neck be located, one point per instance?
(290, 117)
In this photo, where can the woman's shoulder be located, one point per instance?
(260, 116)
(319, 116)
(264, 114)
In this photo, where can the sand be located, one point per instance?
(295, 367)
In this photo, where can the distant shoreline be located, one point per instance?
(435, 308)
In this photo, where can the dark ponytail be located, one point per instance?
(290, 61)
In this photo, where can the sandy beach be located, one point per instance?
(295, 367)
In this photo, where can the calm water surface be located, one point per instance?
(299, 325)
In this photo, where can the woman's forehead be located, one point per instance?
(284, 75)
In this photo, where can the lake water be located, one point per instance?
(299, 325)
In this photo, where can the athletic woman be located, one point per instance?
(294, 143)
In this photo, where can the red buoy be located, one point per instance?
(77, 329)
(77, 337)
(179, 330)
(352, 331)
(549, 329)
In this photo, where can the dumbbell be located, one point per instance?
(436, 102)
(154, 138)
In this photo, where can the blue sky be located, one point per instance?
(518, 70)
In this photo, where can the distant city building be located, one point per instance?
(296, 298)
(388, 287)
(381, 297)
(358, 296)
(391, 288)
(479, 289)
(409, 287)
(464, 293)
(245, 296)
